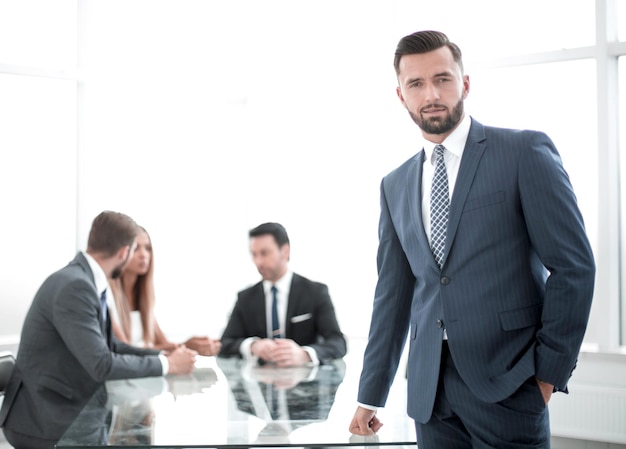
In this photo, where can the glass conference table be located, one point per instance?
(228, 403)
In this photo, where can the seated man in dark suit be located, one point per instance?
(67, 350)
(285, 319)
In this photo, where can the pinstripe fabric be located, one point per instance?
(515, 288)
(461, 421)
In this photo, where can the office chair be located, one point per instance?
(7, 362)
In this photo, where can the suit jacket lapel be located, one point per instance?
(414, 197)
(258, 310)
(294, 292)
(474, 149)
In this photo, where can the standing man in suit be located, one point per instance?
(67, 350)
(304, 328)
(497, 309)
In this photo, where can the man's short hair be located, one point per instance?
(275, 229)
(424, 42)
(111, 231)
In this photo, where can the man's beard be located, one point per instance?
(117, 271)
(436, 125)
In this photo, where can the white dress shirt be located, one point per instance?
(454, 144)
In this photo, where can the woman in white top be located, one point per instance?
(134, 321)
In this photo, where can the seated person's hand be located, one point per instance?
(181, 360)
(263, 348)
(289, 353)
(204, 345)
(280, 351)
(167, 347)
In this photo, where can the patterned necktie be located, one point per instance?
(275, 322)
(103, 305)
(439, 206)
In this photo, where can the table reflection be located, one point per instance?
(133, 408)
(228, 403)
(285, 398)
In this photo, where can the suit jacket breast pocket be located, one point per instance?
(302, 329)
(301, 318)
(483, 201)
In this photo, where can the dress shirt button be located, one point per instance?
(439, 324)
(444, 280)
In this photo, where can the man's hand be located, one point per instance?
(365, 422)
(289, 353)
(181, 360)
(263, 348)
(204, 345)
(280, 351)
(546, 390)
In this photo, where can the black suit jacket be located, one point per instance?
(311, 319)
(66, 354)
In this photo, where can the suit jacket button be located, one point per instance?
(439, 324)
(444, 280)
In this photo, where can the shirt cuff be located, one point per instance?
(369, 407)
(165, 365)
(312, 354)
(244, 348)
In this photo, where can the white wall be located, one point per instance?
(38, 189)
(211, 118)
(202, 119)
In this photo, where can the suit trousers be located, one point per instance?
(462, 421)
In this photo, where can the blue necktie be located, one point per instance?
(439, 206)
(275, 322)
(103, 305)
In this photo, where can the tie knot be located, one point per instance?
(274, 289)
(439, 151)
(103, 295)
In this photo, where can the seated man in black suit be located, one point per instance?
(285, 319)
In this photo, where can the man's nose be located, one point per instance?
(432, 93)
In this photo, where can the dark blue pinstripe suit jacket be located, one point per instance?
(516, 285)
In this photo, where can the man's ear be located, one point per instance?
(399, 93)
(466, 86)
(122, 253)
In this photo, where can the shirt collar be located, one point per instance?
(283, 284)
(454, 143)
(99, 276)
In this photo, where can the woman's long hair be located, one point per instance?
(143, 291)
